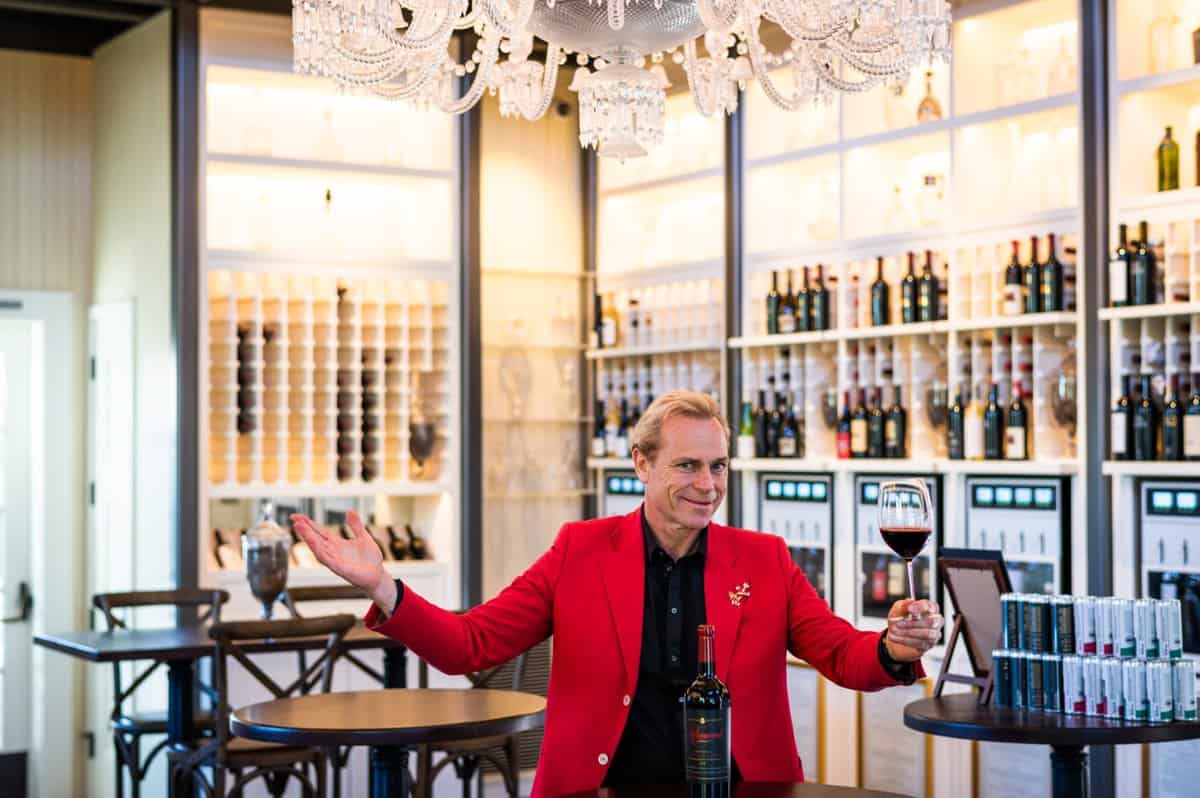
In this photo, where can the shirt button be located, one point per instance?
(674, 658)
(602, 759)
(674, 610)
(626, 700)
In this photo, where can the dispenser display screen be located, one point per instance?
(797, 490)
(1174, 502)
(1017, 498)
(625, 486)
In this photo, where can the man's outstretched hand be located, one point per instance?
(358, 560)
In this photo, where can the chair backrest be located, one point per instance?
(111, 604)
(528, 673)
(228, 635)
(293, 597)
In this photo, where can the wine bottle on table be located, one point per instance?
(954, 427)
(804, 304)
(858, 428)
(895, 426)
(908, 292)
(1051, 280)
(1030, 279)
(1172, 422)
(1121, 427)
(1191, 422)
(1014, 304)
(787, 309)
(1145, 424)
(876, 421)
(927, 291)
(1118, 271)
(820, 301)
(706, 723)
(843, 429)
(1016, 441)
(880, 297)
(993, 426)
(773, 305)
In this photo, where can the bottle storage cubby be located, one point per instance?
(319, 380)
(667, 315)
(1166, 256)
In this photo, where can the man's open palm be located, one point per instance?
(358, 560)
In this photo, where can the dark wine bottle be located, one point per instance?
(787, 309)
(954, 427)
(927, 291)
(1191, 422)
(774, 420)
(707, 754)
(397, 546)
(1172, 422)
(1051, 280)
(993, 426)
(1118, 271)
(773, 305)
(875, 425)
(598, 321)
(858, 427)
(843, 429)
(895, 427)
(1121, 428)
(1141, 269)
(1030, 282)
(598, 447)
(908, 292)
(820, 302)
(881, 311)
(1014, 302)
(804, 304)
(1016, 439)
(761, 419)
(1145, 424)
(789, 444)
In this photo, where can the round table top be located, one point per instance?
(743, 790)
(403, 716)
(960, 716)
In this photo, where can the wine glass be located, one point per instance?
(422, 435)
(829, 407)
(937, 402)
(905, 521)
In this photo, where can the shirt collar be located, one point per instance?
(699, 547)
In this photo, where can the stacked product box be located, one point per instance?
(1108, 657)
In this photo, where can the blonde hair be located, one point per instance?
(647, 433)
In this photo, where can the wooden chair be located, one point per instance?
(529, 673)
(128, 728)
(274, 764)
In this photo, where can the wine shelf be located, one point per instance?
(1155, 311)
(939, 465)
(606, 463)
(1148, 468)
(1161, 80)
(1023, 320)
(254, 490)
(646, 351)
(332, 167)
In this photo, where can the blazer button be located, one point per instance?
(626, 700)
(602, 759)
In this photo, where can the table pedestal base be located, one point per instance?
(389, 772)
(1068, 771)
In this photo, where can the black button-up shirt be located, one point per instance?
(651, 747)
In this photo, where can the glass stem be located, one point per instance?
(912, 583)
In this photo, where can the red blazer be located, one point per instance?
(587, 591)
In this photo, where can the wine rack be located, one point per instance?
(317, 380)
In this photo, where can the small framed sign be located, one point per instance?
(975, 580)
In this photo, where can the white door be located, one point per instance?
(16, 508)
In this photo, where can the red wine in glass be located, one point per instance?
(905, 541)
(905, 521)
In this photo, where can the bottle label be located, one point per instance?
(889, 433)
(843, 445)
(706, 741)
(1013, 305)
(1014, 444)
(973, 437)
(787, 321)
(1191, 436)
(622, 448)
(787, 446)
(599, 447)
(1119, 443)
(609, 333)
(1118, 282)
(858, 436)
(745, 446)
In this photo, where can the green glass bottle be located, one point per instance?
(1168, 163)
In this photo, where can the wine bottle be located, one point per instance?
(397, 546)
(773, 305)
(787, 308)
(598, 446)
(1051, 280)
(597, 321)
(1191, 422)
(707, 732)
(993, 426)
(820, 302)
(612, 426)
(610, 330)
(745, 440)
(973, 427)
(633, 323)
(1145, 424)
(927, 291)
(1014, 304)
(774, 420)
(761, 418)
(875, 425)
(1172, 422)
(797, 421)
(623, 427)
(843, 429)
(908, 292)
(1118, 271)
(1016, 440)
(804, 304)
(1142, 268)
(858, 428)
(1029, 279)
(788, 443)
(1121, 427)
(954, 428)
(895, 426)
(880, 297)
(1168, 162)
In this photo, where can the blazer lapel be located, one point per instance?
(624, 572)
(720, 579)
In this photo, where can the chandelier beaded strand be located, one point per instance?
(404, 50)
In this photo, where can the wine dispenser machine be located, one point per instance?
(799, 508)
(1029, 521)
(621, 493)
(1169, 534)
(882, 576)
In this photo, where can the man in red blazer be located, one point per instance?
(623, 596)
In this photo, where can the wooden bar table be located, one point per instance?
(391, 722)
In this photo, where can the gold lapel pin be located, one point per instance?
(742, 592)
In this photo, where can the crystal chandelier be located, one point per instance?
(405, 50)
